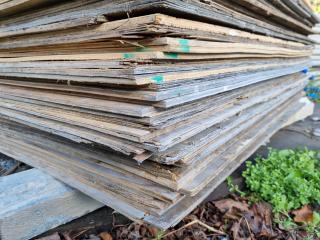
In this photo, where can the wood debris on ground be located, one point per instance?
(232, 218)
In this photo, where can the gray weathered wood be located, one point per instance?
(32, 202)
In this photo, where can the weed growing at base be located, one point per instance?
(288, 179)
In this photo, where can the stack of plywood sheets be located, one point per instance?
(313, 89)
(144, 111)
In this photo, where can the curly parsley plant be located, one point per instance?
(288, 179)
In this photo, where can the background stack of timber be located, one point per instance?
(313, 90)
(147, 105)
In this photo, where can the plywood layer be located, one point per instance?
(27, 145)
(82, 13)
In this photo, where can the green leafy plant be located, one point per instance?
(234, 188)
(288, 179)
(288, 224)
(313, 228)
(285, 222)
(160, 235)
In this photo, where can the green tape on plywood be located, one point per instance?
(172, 55)
(128, 55)
(184, 45)
(158, 79)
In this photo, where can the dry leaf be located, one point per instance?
(235, 229)
(153, 231)
(303, 215)
(66, 236)
(105, 236)
(231, 208)
(261, 220)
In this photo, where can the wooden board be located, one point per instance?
(108, 198)
(171, 81)
(170, 48)
(26, 193)
(81, 13)
(10, 7)
(134, 29)
(108, 134)
(179, 211)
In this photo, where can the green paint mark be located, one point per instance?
(128, 55)
(142, 49)
(172, 55)
(158, 79)
(184, 45)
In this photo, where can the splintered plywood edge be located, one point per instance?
(32, 202)
(305, 111)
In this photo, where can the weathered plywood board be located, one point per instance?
(82, 13)
(22, 151)
(135, 140)
(32, 202)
